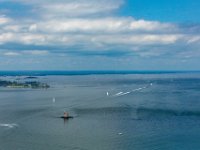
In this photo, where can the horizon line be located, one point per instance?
(88, 72)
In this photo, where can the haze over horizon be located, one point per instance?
(99, 35)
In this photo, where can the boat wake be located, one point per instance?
(129, 92)
(12, 125)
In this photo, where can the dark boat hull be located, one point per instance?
(69, 117)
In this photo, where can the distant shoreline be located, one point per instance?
(32, 85)
(73, 73)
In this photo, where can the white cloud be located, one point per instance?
(32, 39)
(137, 39)
(151, 25)
(193, 39)
(88, 25)
(6, 37)
(4, 20)
(105, 25)
(33, 28)
(36, 52)
(12, 28)
(80, 8)
(11, 54)
(72, 8)
(25, 53)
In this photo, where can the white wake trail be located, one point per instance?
(118, 94)
(138, 89)
(12, 125)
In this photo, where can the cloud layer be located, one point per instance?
(85, 27)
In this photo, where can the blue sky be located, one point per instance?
(177, 11)
(99, 35)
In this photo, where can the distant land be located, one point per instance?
(14, 84)
(30, 77)
(31, 74)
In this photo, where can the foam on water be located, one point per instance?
(12, 125)
(118, 94)
(128, 92)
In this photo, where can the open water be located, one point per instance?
(138, 111)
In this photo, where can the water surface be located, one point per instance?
(118, 111)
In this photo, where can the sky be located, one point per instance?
(99, 35)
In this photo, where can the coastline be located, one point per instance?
(33, 73)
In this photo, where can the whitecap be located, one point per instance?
(125, 93)
(12, 125)
(118, 94)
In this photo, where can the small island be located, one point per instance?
(30, 77)
(14, 84)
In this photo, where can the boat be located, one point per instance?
(67, 117)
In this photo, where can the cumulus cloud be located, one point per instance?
(72, 8)
(80, 8)
(90, 27)
(36, 52)
(5, 37)
(25, 53)
(146, 39)
(11, 54)
(105, 25)
(4, 20)
(194, 39)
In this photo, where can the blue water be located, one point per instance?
(126, 111)
(45, 73)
